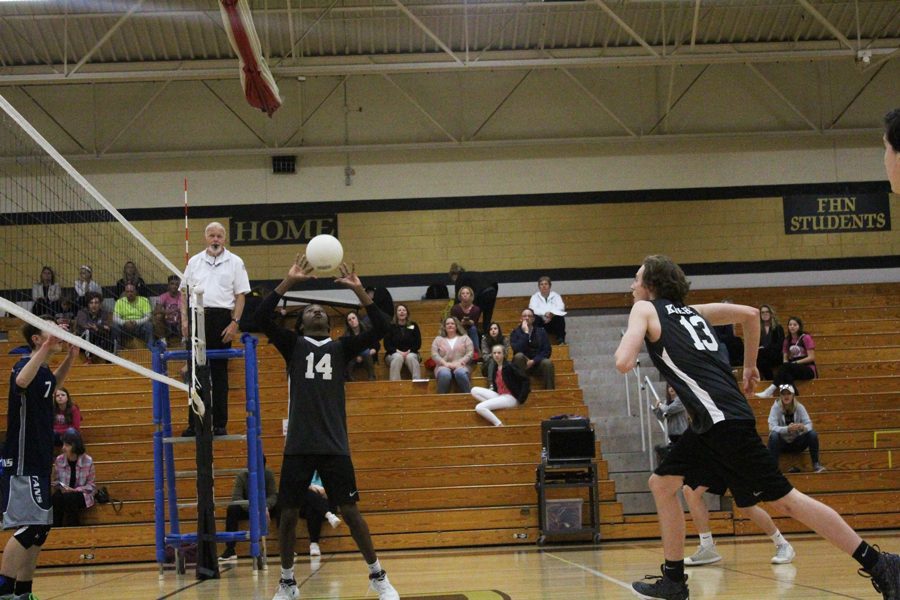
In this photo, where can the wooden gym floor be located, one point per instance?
(569, 572)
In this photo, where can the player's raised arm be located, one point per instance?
(39, 356)
(62, 371)
(630, 346)
(719, 313)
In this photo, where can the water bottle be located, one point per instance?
(543, 455)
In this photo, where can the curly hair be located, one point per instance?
(665, 278)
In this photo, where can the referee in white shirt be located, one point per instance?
(224, 280)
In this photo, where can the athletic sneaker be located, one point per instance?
(379, 584)
(784, 553)
(819, 468)
(314, 549)
(704, 555)
(662, 587)
(287, 590)
(229, 556)
(28, 596)
(333, 519)
(885, 575)
(766, 393)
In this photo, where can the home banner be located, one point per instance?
(281, 230)
(836, 214)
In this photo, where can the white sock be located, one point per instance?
(375, 567)
(778, 539)
(287, 573)
(706, 540)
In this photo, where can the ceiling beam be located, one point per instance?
(105, 38)
(423, 63)
(421, 25)
(621, 23)
(614, 141)
(826, 23)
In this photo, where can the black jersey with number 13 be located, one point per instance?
(693, 362)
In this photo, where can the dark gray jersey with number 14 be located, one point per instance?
(317, 416)
(691, 359)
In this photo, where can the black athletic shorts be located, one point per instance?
(336, 471)
(730, 455)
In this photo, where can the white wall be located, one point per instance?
(136, 183)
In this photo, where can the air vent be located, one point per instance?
(284, 164)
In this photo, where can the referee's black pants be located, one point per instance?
(216, 320)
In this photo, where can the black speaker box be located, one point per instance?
(568, 440)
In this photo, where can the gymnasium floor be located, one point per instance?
(517, 573)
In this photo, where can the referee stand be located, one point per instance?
(165, 475)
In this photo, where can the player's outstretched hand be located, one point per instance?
(348, 277)
(751, 378)
(300, 270)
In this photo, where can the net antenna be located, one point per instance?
(63, 241)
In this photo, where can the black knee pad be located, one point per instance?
(33, 535)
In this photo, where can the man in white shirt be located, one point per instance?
(549, 310)
(223, 278)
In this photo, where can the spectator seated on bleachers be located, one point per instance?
(791, 429)
(366, 358)
(131, 317)
(402, 344)
(771, 341)
(532, 349)
(85, 284)
(671, 412)
(45, 294)
(452, 351)
(237, 512)
(66, 415)
(66, 311)
(94, 323)
(508, 386)
(467, 313)
(167, 312)
(130, 275)
(799, 355)
(493, 335)
(316, 510)
(74, 487)
(485, 290)
(549, 310)
(734, 346)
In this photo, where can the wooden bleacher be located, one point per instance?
(433, 474)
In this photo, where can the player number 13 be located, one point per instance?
(696, 323)
(323, 366)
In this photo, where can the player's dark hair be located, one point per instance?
(73, 438)
(298, 325)
(892, 128)
(29, 331)
(665, 278)
(91, 295)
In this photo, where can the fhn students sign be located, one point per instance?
(281, 230)
(836, 214)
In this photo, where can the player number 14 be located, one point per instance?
(708, 341)
(323, 366)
